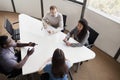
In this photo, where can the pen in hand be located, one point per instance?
(32, 44)
(35, 45)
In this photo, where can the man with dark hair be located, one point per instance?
(53, 18)
(8, 59)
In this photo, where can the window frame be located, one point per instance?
(83, 6)
(76, 1)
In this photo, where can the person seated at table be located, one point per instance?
(53, 18)
(9, 61)
(59, 67)
(80, 34)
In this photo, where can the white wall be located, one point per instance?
(30, 7)
(33, 8)
(6, 5)
(109, 32)
(72, 10)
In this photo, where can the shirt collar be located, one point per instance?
(55, 14)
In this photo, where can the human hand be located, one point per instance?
(68, 43)
(47, 21)
(31, 44)
(65, 40)
(45, 25)
(50, 32)
(30, 52)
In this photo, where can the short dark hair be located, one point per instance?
(53, 7)
(3, 40)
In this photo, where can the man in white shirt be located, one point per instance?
(54, 19)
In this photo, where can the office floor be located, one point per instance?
(103, 67)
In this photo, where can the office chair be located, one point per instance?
(92, 37)
(14, 33)
(9, 75)
(64, 22)
(44, 76)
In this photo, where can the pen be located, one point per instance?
(36, 44)
(42, 28)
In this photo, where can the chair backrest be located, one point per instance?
(93, 36)
(11, 74)
(2, 71)
(64, 21)
(44, 76)
(8, 26)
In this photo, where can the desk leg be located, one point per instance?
(32, 76)
(77, 66)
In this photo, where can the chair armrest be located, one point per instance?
(90, 46)
(15, 22)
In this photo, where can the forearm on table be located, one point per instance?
(22, 44)
(44, 21)
(76, 45)
(68, 36)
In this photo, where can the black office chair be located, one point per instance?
(10, 75)
(44, 76)
(64, 22)
(14, 33)
(92, 37)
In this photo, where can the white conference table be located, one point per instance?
(31, 31)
